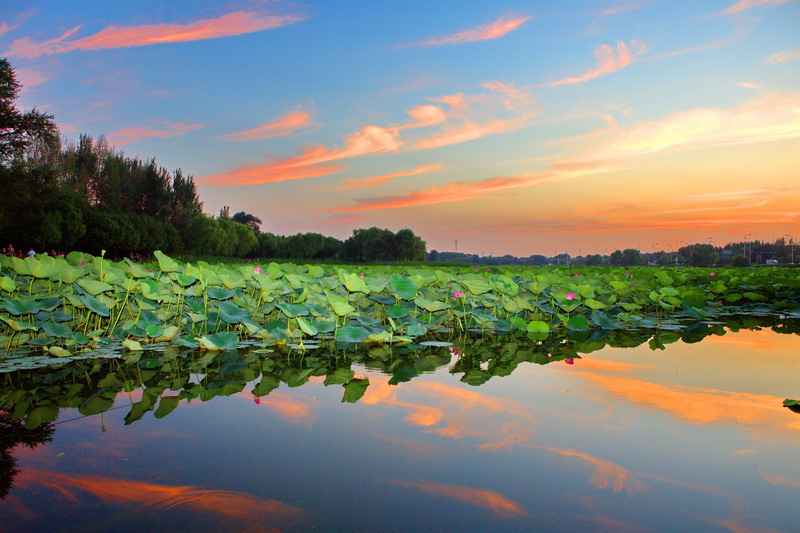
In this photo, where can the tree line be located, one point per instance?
(60, 195)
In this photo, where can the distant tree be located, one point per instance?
(616, 258)
(594, 260)
(704, 255)
(739, 260)
(631, 257)
(248, 220)
(19, 130)
(433, 255)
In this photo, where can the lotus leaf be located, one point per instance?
(166, 264)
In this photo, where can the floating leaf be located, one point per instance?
(166, 264)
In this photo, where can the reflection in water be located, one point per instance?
(486, 499)
(234, 507)
(495, 436)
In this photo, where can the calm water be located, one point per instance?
(691, 438)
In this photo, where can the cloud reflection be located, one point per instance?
(486, 499)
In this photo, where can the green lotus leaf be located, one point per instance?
(94, 287)
(59, 351)
(224, 340)
(232, 313)
(19, 326)
(132, 345)
(94, 305)
(591, 303)
(166, 264)
(340, 305)
(293, 310)
(7, 284)
(406, 288)
(577, 323)
(351, 334)
(475, 285)
(168, 333)
(397, 311)
(307, 328)
(430, 305)
(219, 294)
(537, 326)
(354, 283)
(23, 307)
(52, 329)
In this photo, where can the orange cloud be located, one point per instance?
(606, 474)
(425, 115)
(743, 5)
(471, 132)
(463, 191)
(368, 140)
(748, 85)
(375, 181)
(779, 479)
(514, 98)
(769, 118)
(498, 28)
(174, 129)
(784, 57)
(216, 504)
(286, 124)
(237, 23)
(486, 499)
(608, 60)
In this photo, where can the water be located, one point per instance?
(690, 438)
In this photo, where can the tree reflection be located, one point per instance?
(13, 433)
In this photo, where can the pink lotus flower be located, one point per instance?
(712, 274)
(457, 294)
(570, 296)
(257, 270)
(257, 400)
(361, 275)
(633, 284)
(569, 361)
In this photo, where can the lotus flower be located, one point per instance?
(257, 270)
(257, 400)
(569, 361)
(570, 296)
(457, 294)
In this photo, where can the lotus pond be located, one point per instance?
(273, 397)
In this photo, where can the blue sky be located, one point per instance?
(511, 127)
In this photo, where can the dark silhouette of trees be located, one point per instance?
(13, 433)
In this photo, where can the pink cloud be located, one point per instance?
(499, 28)
(375, 181)
(463, 191)
(608, 60)
(127, 136)
(744, 5)
(368, 140)
(471, 132)
(784, 57)
(286, 124)
(30, 78)
(513, 98)
(425, 115)
(237, 23)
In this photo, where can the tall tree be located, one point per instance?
(18, 130)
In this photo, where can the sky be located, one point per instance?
(503, 127)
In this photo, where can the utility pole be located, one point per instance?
(456, 246)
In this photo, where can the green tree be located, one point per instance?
(704, 255)
(248, 220)
(631, 257)
(19, 130)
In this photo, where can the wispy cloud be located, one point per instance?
(236, 23)
(463, 191)
(30, 78)
(498, 28)
(609, 59)
(768, 118)
(748, 85)
(470, 131)
(129, 135)
(784, 57)
(375, 181)
(425, 115)
(310, 163)
(286, 124)
(513, 98)
(744, 5)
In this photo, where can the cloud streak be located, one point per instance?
(236, 23)
(129, 135)
(744, 5)
(375, 181)
(784, 57)
(609, 59)
(499, 28)
(287, 124)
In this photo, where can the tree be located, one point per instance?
(19, 130)
(248, 220)
(739, 260)
(631, 257)
(704, 255)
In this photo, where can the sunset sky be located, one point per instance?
(512, 127)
